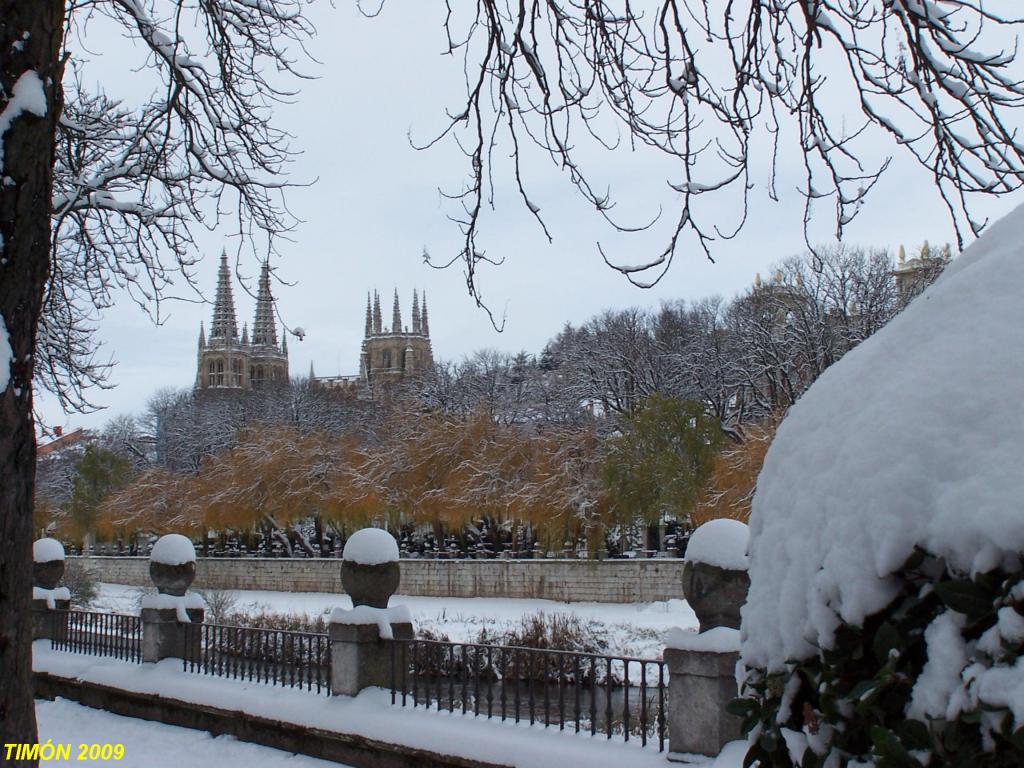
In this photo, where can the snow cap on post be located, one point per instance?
(47, 550)
(722, 543)
(173, 549)
(371, 546)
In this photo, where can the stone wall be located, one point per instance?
(608, 581)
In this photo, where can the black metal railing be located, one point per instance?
(583, 692)
(272, 656)
(100, 634)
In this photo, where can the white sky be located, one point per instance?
(375, 206)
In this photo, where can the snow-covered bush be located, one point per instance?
(81, 583)
(936, 678)
(886, 611)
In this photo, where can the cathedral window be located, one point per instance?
(210, 370)
(236, 366)
(220, 373)
(387, 359)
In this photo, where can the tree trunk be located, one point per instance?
(30, 41)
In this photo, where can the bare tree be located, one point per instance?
(101, 194)
(721, 90)
(612, 362)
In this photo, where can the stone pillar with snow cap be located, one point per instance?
(47, 597)
(702, 666)
(167, 614)
(360, 638)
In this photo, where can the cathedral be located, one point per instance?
(229, 362)
(388, 355)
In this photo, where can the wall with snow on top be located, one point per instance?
(605, 581)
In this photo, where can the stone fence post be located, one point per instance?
(361, 648)
(702, 667)
(47, 597)
(361, 653)
(701, 684)
(168, 615)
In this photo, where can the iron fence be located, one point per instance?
(584, 692)
(272, 656)
(100, 634)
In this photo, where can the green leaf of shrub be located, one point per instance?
(965, 597)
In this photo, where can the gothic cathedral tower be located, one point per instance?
(389, 355)
(229, 363)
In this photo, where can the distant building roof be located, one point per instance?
(62, 441)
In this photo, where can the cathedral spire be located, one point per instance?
(202, 334)
(424, 324)
(284, 340)
(396, 316)
(264, 328)
(224, 327)
(369, 318)
(376, 313)
(415, 312)
(245, 334)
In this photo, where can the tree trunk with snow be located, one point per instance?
(30, 42)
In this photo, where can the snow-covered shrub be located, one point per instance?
(81, 583)
(220, 603)
(934, 679)
(886, 613)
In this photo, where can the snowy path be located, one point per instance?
(154, 745)
(370, 714)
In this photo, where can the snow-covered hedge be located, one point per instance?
(884, 621)
(935, 679)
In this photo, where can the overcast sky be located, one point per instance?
(375, 206)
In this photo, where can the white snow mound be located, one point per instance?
(47, 550)
(720, 542)
(173, 549)
(914, 437)
(371, 546)
(717, 640)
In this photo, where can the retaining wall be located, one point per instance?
(608, 581)
(347, 749)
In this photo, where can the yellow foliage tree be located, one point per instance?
(730, 489)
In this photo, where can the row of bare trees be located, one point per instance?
(504, 439)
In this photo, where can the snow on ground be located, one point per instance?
(913, 438)
(154, 745)
(370, 714)
(633, 629)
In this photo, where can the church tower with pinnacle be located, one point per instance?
(227, 362)
(391, 354)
